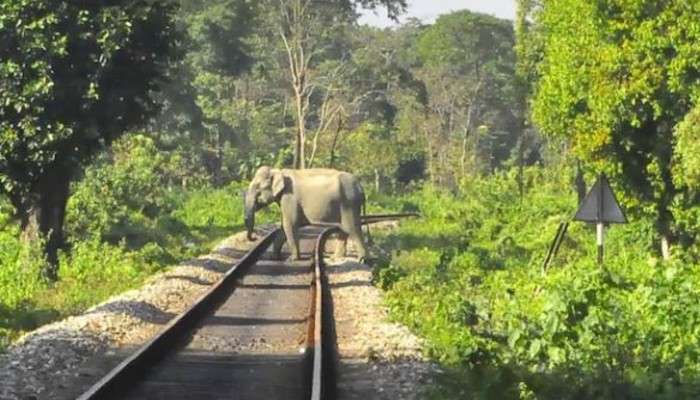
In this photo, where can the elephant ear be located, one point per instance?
(277, 183)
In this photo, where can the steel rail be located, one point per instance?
(373, 218)
(319, 386)
(172, 333)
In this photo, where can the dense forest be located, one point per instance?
(128, 130)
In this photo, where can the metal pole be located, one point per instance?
(600, 230)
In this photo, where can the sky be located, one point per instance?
(428, 10)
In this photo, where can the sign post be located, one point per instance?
(600, 233)
(600, 206)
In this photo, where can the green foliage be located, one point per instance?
(166, 221)
(74, 76)
(93, 271)
(468, 65)
(461, 39)
(616, 78)
(129, 216)
(105, 197)
(62, 68)
(687, 161)
(20, 268)
(224, 108)
(468, 277)
(360, 147)
(19, 279)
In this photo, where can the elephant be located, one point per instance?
(308, 196)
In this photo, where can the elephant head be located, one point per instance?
(265, 188)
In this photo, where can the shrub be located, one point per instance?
(468, 278)
(131, 215)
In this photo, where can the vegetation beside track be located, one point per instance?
(129, 217)
(468, 277)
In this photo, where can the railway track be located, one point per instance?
(375, 218)
(258, 333)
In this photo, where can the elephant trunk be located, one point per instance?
(249, 217)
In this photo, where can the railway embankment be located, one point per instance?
(378, 359)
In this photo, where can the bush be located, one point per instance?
(212, 207)
(165, 221)
(92, 272)
(20, 269)
(122, 194)
(468, 278)
(130, 216)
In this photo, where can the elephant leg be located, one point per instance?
(290, 231)
(277, 246)
(356, 237)
(290, 224)
(350, 222)
(341, 246)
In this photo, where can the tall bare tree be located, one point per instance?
(305, 27)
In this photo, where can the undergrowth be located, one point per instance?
(468, 277)
(128, 218)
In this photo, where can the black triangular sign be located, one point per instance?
(600, 205)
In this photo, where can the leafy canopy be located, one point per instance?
(611, 65)
(73, 77)
(615, 80)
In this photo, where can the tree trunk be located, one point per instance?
(430, 159)
(664, 156)
(42, 216)
(335, 141)
(521, 160)
(580, 183)
(293, 33)
(299, 153)
(663, 227)
(467, 129)
(218, 178)
(376, 180)
(665, 248)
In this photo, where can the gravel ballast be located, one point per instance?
(378, 359)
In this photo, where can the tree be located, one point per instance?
(358, 99)
(468, 64)
(617, 77)
(203, 106)
(528, 52)
(73, 77)
(304, 27)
